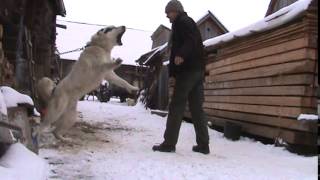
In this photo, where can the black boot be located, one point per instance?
(204, 149)
(164, 148)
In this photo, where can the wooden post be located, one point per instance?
(1, 32)
(1, 54)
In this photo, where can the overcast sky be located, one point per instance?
(149, 14)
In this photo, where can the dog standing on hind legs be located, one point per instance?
(94, 65)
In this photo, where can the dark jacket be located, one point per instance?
(186, 42)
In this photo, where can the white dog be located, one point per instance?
(94, 65)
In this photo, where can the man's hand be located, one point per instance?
(172, 81)
(178, 60)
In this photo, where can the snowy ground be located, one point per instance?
(115, 141)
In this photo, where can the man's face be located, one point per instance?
(172, 16)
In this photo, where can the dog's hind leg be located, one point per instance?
(56, 108)
(66, 121)
(113, 78)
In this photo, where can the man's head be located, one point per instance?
(173, 8)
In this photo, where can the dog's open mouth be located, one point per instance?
(123, 29)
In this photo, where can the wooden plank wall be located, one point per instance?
(263, 82)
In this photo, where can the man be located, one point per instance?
(186, 69)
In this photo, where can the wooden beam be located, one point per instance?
(305, 66)
(281, 111)
(293, 137)
(282, 122)
(304, 91)
(272, 37)
(295, 79)
(285, 57)
(259, 53)
(265, 100)
(1, 32)
(262, 40)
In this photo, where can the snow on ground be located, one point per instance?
(19, 163)
(114, 141)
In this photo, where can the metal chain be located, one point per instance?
(78, 49)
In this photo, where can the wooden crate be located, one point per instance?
(20, 116)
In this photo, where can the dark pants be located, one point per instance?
(189, 86)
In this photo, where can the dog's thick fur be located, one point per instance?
(94, 65)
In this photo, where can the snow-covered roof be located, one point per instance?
(157, 50)
(274, 20)
(135, 42)
(147, 57)
(12, 97)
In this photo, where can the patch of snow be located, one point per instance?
(104, 82)
(311, 117)
(19, 163)
(35, 112)
(120, 147)
(166, 62)
(12, 97)
(274, 20)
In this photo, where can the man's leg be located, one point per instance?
(184, 84)
(176, 109)
(196, 98)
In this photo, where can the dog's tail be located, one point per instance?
(44, 89)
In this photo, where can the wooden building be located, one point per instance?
(276, 5)
(28, 41)
(65, 66)
(210, 26)
(157, 90)
(160, 36)
(264, 76)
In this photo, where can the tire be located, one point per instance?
(122, 99)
